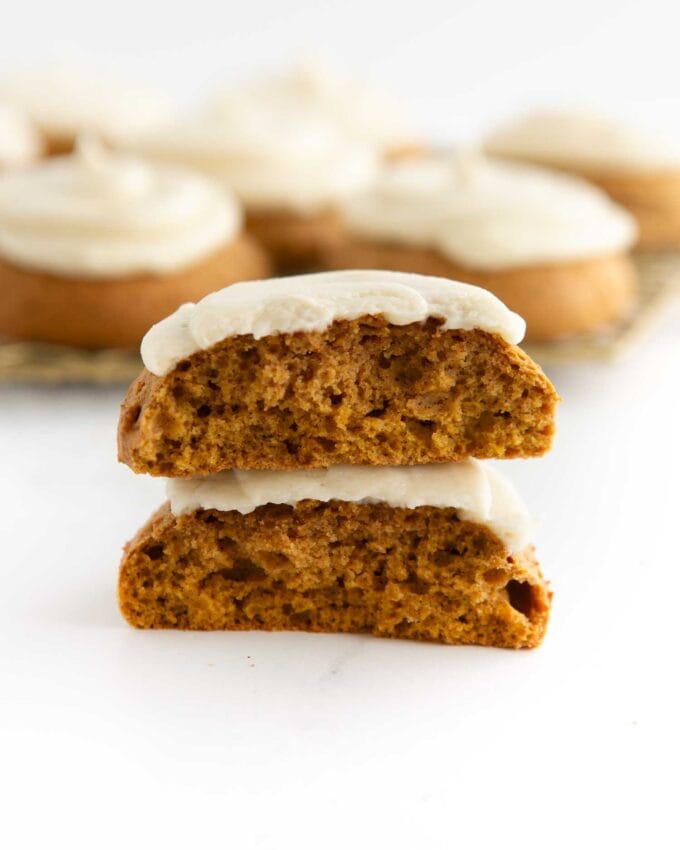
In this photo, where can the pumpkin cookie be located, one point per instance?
(434, 553)
(639, 169)
(64, 101)
(95, 247)
(348, 367)
(290, 168)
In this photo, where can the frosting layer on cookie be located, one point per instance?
(96, 213)
(490, 215)
(270, 155)
(19, 141)
(63, 100)
(312, 302)
(584, 141)
(477, 490)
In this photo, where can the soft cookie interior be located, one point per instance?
(334, 567)
(362, 391)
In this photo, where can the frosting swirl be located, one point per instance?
(490, 215)
(584, 141)
(271, 156)
(19, 141)
(64, 100)
(99, 214)
(313, 302)
(478, 491)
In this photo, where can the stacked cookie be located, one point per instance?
(319, 434)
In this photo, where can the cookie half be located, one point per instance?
(212, 558)
(347, 368)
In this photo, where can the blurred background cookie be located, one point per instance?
(281, 148)
(323, 90)
(638, 168)
(65, 99)
(96, 246)
(20, 143)
(550, 246)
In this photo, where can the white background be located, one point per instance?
(457, 64)
(111, 737)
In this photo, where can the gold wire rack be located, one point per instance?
(57, 364)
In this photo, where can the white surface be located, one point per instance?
(274, 741)
(460, 66)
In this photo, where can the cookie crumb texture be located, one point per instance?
(363, 391)
(335, 566)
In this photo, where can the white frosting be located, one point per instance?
(19, 141)
(320, 90)
(313, 302)
(270, 154)
(584, 140)
(476, 490)
(100, 214)
(490, 215)
(64, 100)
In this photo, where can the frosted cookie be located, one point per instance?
(360, 367)
(20, 143)
(64, 100)
(640, 170)
(435, 553)
(552, 247)
(95, 247)
(320, 90)
(290, 169)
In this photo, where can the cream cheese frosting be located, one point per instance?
(477, 491)
(64, 100)
(100, 214)
(272, 157)
(19, 141)
(586, 141)
(313, 302)
(319, 89)
(491, 215)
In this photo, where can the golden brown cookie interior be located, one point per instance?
(361, 392)
(334, 567)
